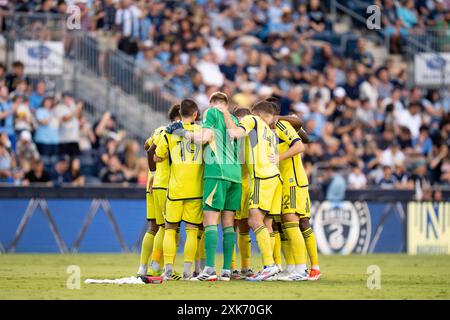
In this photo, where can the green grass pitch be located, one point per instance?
(39, 276)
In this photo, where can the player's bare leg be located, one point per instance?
(311, 247)
(147, 247)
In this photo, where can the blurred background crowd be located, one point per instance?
(362, 117)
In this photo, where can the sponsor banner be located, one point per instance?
(40, 57)
(432, 69)
(428, 228)
(117, 225)
(358, 227)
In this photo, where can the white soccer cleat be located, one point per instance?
(225, 276)
(264, 274)
(204, 276)
(293, 276)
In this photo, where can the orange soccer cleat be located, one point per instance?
(314, 275)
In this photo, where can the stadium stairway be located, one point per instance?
(100, 96)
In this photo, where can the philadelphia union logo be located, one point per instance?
(342, 227)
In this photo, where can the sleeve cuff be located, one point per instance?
(294, 141)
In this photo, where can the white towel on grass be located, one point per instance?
(127, 280)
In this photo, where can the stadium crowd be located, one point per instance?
(359, 113)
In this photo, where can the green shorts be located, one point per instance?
(219, 195)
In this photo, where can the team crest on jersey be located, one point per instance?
(342, 227)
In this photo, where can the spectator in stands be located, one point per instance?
(46, 135)
(127, 25)
(106, 129)
(87, 135)
(130, 159)
(7, 163)
(410, 118)
(436, 159)
(357, 179)
(37, 174)
(23, 117)
(68, 114)
(400, 174)
(423, 144)
(26, 150)
(113, 173)
(392, 155)
(76, 176)
(17, 74)
(61, 173)
(7, 111)
(37, 96)
(388, 180)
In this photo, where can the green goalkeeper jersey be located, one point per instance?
(221, 154)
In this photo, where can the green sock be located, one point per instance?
(211, 238)
(228, 246)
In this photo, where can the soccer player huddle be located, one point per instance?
(240, 168)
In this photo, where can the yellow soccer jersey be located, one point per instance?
(292, 171)
(161, 177)
(185, 164)
(262, 145)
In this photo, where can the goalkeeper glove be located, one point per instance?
(176, 128)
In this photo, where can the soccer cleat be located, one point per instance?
(276, 277)
(195, 274)
(246, 273)
(264, 274)
(225, 276)
(235, 275)
(314, 275)
(205, 276)
(186, 276)
(142, 271)
(293, 276)
(171, 276)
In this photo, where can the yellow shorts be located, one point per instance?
(265, 194)
(296, 200)
(150, 206)
(190, 211)
(159, 203)
(243, 213)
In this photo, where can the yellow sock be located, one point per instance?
(263, 239)
(245, 249)
(169, 246)
(190, 246)
(158, 245)
(296, 243)
(272, 240)
(200, 242)
(311, 246)
(147, 247)
(277, 248)
(285, 245)
(201, 250)
(233, 259)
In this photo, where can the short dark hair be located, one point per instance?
(174, 111)
(16, 64)
(188, 107)
(264, 106)
(218, 96)
(241, 112)
(276, 103)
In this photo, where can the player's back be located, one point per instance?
(262, 144)
(291, 169)
(186, 165)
